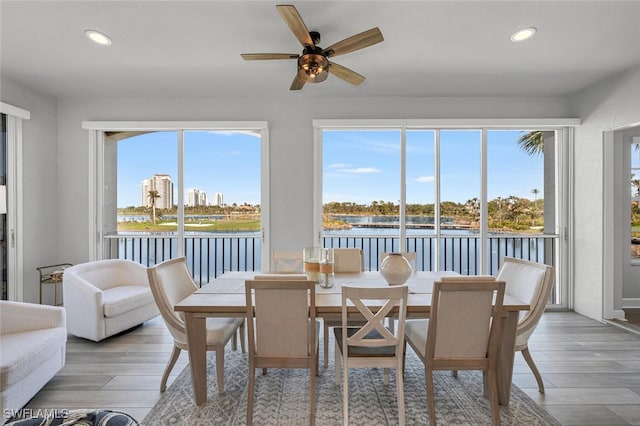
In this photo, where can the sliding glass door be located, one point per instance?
(460, 198)
(194, 192)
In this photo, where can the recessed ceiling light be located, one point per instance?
(523, 34)
(98, 37)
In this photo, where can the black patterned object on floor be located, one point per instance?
(76, 418)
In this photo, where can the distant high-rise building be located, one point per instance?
(217, 199)
(195, 197)
(164, 186)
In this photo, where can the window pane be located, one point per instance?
(420, 196)
(146, 176)
(519, 196)
(635, 201)
(361, 190)
(459, 195)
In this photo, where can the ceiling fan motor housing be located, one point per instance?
(313, 65)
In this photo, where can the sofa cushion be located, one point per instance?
(20, 352)
(125, 298)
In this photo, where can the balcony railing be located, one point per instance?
(209, 255)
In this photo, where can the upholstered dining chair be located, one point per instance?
(372, 344)
(528, 282)
(345, 260)
(463, 332)
(284, 333)
(348, 260)
(286, 261)
(170, 282)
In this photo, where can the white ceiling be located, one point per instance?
(192, 49)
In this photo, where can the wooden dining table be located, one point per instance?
(225, 297)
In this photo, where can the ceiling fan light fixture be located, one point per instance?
(312, 68)
(523, 34)
(98, 37)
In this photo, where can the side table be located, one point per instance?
(52, 274)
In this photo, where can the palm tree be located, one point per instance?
(635, 183)
(153, 196)
(532, 142)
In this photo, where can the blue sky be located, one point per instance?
(358, 166)
(365, 166)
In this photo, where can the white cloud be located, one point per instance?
(423, 179)
(338, 165)
(362, 170)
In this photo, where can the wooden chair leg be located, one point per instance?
(243, 336)
(400, 392)
(431, 403)
(493, 386)
(234, 341)
(326, 344)
(250, 391)
(527, 357)
(345, 392)
(220, 369)
(337, 364)
(312, 393)
(172, 361)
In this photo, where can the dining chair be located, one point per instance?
(286, 261)
(372, 344)
(348, 260)
(463, 332)
(528, 282)
(170, 282)
(345, 260)
(282, 331)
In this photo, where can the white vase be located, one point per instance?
(395, 269)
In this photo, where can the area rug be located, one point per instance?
(282, 398)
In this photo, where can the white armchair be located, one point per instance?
(105, 297)
(33, 341)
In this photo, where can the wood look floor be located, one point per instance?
(591, 371)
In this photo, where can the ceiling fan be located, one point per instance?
(313, 64)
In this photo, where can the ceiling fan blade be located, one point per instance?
(291, 16)
(263, 56)
(297, 83)
(346, 74)
(356, 42)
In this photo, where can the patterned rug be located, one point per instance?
(282, 398)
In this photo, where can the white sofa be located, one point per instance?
(105, 297)
(33, 341)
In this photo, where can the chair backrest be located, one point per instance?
(348, 260)
(286, 261)
(528, 282)
(170, 282)
(409, 255)
(389, 298)
(462, 325)
(108, 273)
(280, 277)
(283, 312)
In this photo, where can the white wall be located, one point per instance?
(609, 104)
(40, 192)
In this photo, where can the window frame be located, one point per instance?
(564, 145)
(97, 131)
